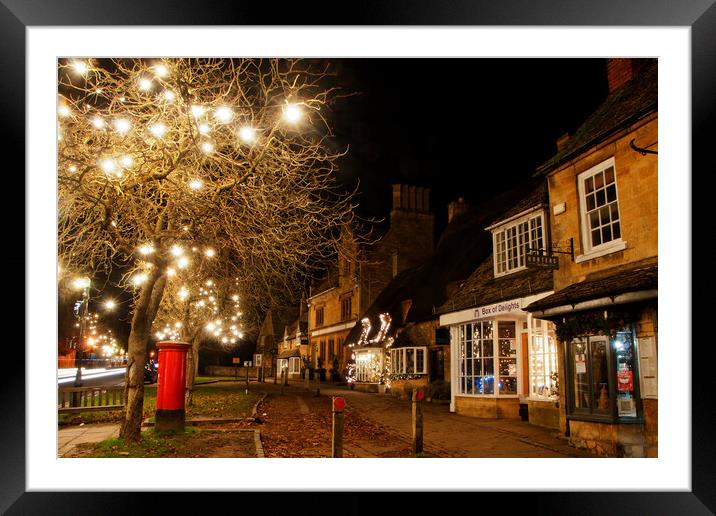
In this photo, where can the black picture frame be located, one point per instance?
(699, 15)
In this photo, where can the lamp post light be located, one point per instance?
(82, 313)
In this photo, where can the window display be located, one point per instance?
(601, 376)
(488, 359)
(543, 361)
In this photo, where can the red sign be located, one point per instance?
(339, 403)
(625, 381)
(420, 395)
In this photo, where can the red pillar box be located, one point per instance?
(170, 385)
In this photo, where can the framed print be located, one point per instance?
(542, 349)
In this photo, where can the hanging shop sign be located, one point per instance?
(541, 261)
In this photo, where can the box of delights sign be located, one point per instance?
(498, 309)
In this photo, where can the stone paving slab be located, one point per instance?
(68, 438)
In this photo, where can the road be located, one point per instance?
(99, 377)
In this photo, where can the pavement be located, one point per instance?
(69, 437)
(445, 434)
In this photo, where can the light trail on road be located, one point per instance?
(68, 375)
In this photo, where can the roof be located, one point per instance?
(483, 288)
(462, 247)
(295, 352)
(634, 277)
(539, 196)
(626, 105)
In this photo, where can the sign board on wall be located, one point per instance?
(648, 367)
(502, 308)
(236, 360)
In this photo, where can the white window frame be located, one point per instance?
(257, 359)
(543, 329)
(501, 231)
(398, 360)
(590, 251)
(294, 365)
(460, 391)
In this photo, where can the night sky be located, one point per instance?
(463, 127)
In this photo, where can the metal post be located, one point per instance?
(307, 376)
(318, 383)
(417, 421)
(76, 396)
(247, 379)
(337, 435)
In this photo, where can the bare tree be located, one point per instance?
(156, 157)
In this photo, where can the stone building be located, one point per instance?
(398, 343)
(503, 359)
(354, 280)
(277, 335)
(603, 192)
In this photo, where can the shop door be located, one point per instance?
(437, 364)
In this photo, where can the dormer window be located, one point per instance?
(515, 239)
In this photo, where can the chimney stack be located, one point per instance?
(619, 72)
(411, 198)
(455, 208)
(562, 141)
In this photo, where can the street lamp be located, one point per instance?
(81, 312)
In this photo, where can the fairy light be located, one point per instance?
(207, 147)
(171, 272)
(204, 128)
(107, 165)
(169, 95)
(197, 110)
(176, 250)
(80, 67)
(145, 84)
(64, 111)
(183, 262)
(223, 114)
(72, 169)
(146, 249)
(139, 279)
(97, 122)
(247, 134)
(161, 70)
(122, 126)
(158, 130)
(126, 161)
(210, 253)
(292, 113)
(194, 184)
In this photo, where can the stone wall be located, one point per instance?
(543, 413)
(502, 408)
(637, 193)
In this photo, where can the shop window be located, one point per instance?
(488, 359)
(408, 361)
(511, 243)
(368, 366)
(601, 372)
(294, 365)
(599, 207)
(543, 361)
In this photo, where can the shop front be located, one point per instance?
(504, 362)
(608, 359)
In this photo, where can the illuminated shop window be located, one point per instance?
(488, 359)
(543, 361)
(601, 373)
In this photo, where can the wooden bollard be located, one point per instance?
(247, 379)
(418, 421)
(318, 383)
(307, 375)
(282, 377)
(337, 440)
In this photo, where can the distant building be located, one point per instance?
(353, 282)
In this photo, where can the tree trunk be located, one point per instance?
(142, 318)
(192, 366)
